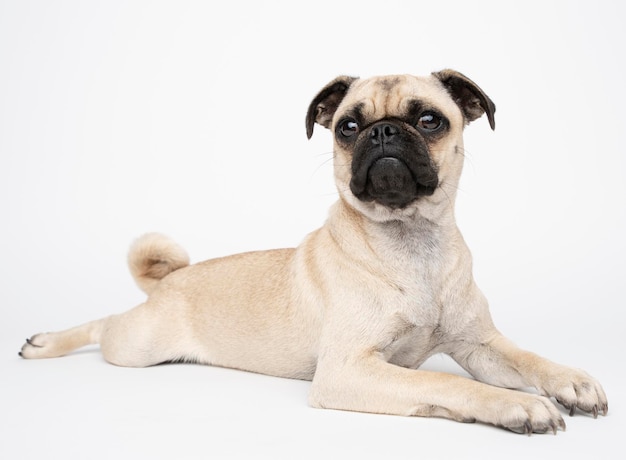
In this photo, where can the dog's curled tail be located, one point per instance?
(152, 257)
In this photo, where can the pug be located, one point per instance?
(384, 284)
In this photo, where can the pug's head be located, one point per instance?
(398, 140)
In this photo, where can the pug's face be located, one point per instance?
(397, 141)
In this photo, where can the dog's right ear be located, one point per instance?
(325, 104)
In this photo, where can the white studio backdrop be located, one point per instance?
(122, 117)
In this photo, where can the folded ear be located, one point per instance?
(325, 104)
(469, 97)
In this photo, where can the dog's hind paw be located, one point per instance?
(36, 347)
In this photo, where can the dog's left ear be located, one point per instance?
(469, 97)
(325, 104)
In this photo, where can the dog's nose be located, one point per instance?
(383, 133)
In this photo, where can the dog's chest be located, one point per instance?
(412, 317)
(411, 335)
(410, 287)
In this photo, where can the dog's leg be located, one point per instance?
(54, 344)
(370, 384)
(137, 338)
(499, 362)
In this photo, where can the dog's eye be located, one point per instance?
(429, 122)
(348, 128)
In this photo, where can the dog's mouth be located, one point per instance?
(390, 181)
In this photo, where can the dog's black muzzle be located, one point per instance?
(391, 166)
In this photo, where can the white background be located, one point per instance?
(121, 117)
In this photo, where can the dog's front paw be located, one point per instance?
(524, 413)
(574, 388)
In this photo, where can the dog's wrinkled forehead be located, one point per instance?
(394, 96)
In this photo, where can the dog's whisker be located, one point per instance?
(322, 164)
(442, 187)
